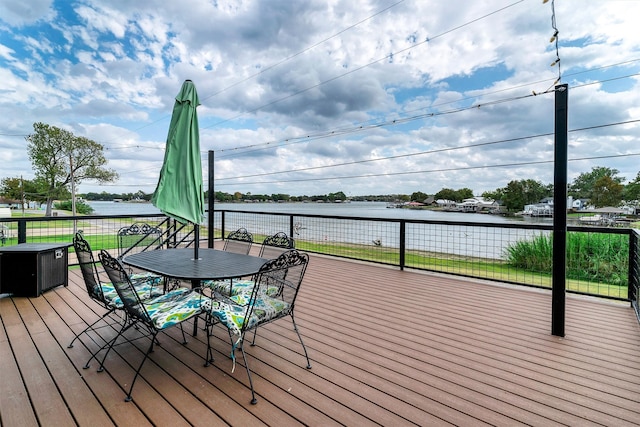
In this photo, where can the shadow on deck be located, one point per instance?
(388, 347)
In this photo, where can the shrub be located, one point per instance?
(81, 207)
(593, 257)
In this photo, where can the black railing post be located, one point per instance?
(222, 224)
(22, 231)
(291, 231)
(633, 280)
(210, 202)
(403, 240)
(558, 294)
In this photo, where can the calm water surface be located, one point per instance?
(356, 209)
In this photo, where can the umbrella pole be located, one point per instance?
(197, 241)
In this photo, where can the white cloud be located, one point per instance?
(278, 72)
(19, 13)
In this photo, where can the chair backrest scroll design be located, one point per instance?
(285, 272)
(239, 241)
(88, 267)
(273, 246)
(138, 237)
(125, 289)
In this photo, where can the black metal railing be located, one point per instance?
(102, 232)
(480, 250)
(601, 261)
(634, 271)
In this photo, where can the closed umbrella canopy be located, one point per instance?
(179, 193)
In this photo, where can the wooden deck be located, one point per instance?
(388, 347)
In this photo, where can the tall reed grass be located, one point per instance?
(592, 257)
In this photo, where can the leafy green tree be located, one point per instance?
(59, 157)
(12, 188)
(464, 193)
(455, 195)
(446, 194)
(495, 195)
(280, 197)
(419, 196)
(583, 186)
(17, 188)
(631, 192)
(337, 196)
(223, 197)
(517, 194)
(606, 192)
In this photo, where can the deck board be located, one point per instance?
(387, 347)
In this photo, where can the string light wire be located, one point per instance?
(482, 144)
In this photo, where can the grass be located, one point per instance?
(535, 268)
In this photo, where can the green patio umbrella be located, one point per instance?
(179, 193)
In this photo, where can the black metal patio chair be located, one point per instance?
(273, 246)
(103, 292)
(138, 237)
(248, 311)
(239, 241)
(153, 315)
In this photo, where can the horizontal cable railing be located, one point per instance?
(601, 261)
(598, 258)
(102, 232)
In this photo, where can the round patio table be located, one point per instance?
(212, 264)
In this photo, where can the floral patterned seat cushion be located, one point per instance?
(146, 285)
(238, 286)
(232, 312)
(174, 307)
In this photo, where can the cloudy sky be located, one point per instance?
(319, 96)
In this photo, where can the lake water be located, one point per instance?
(356, 209)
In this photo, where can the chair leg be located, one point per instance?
(135, 377)
(209, 327)
(110, 345)
(90, 327)
(184, 337)
(295, 328)
(246, 365)
(230, 336)
(255, 332)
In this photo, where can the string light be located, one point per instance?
(554, 38)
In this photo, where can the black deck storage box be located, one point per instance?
(28, 269)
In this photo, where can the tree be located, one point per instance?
(337, 196)
(11, 188)
(223, 197)
(583, 186)
(455, 195)
(606, 192)
(24, 190)
(495, 195)
(60, 158)
(446, 194)
(517, 194)
(464, 193)
(419, 196)
(631, 191)
(280, 197)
